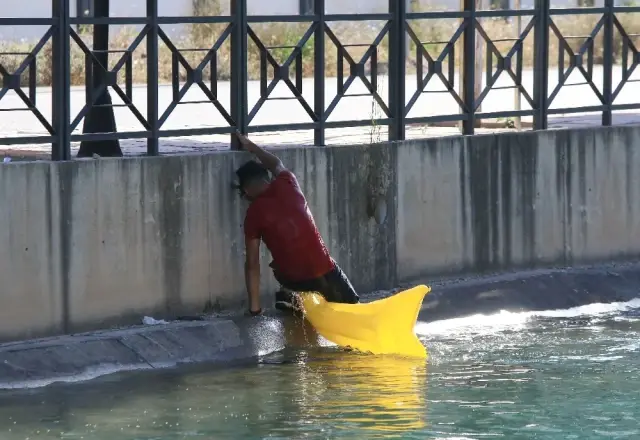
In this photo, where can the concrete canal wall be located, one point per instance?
(90, 244)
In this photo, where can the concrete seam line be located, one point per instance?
(137, 353)
(59, 340)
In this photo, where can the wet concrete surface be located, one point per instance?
(543, 289)
(225, 340)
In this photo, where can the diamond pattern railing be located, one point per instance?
(394, 103)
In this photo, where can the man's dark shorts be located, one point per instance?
(334, 286)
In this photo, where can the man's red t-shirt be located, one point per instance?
(281, 217)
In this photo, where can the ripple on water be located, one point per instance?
(554, 375)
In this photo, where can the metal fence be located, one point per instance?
(395, 107)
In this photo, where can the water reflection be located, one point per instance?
(377, 393)
(311, 393)
(550, 379)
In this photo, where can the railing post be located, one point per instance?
(60, 86)
(607, 61)
(239, 101)
(318, 72)
(397, 68)
(152, 77)
(517, 95)
(541, 64)
(469, 66)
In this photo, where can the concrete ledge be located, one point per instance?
(81, 357)
(534, 290)
(85, 356)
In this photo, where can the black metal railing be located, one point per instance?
(397, 30)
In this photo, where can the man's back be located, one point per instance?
(282, 219)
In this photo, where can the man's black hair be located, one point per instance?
(251, 171)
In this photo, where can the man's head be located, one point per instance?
(253, 179)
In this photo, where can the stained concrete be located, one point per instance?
(506, 201)
(96, 243)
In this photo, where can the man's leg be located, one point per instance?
(286, 298)
(337, 287)
(334, 286)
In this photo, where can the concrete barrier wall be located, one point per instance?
(89, 244)
(518, 200)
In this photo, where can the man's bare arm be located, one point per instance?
(269, 160)
(252, 273)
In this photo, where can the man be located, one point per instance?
(279, 216)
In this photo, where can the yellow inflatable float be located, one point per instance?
(385, 326)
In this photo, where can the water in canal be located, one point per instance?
(572, 374)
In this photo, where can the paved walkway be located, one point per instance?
(279, 111)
